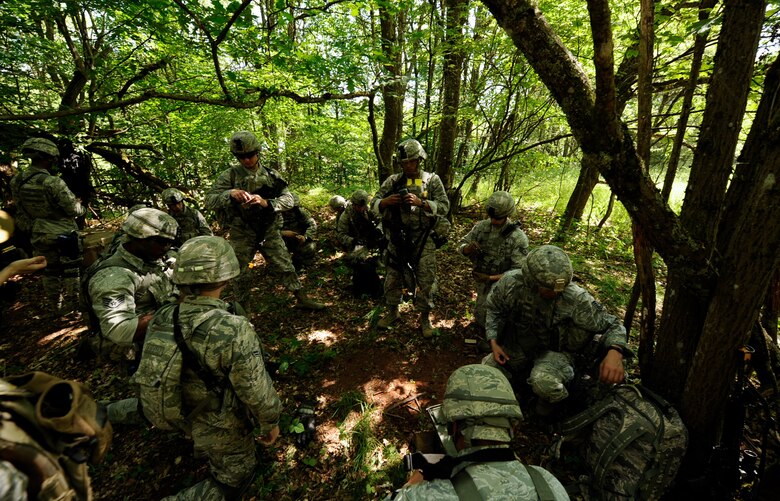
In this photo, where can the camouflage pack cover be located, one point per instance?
(205, 260)
(411, 149)
(549, 265)
(482, 396)
(359, 197)
(244, 142)
(634, 443)
(148, 222)
(41, 145)
(502, 204)
(172, 196)
(337, 202)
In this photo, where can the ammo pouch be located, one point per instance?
(69, 246)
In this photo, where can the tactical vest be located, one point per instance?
(259, 219)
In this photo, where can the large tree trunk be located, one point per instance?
(392, 91)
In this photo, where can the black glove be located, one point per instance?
(305, 415)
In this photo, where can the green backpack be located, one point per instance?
(632, 443)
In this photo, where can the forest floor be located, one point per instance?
(371, 386)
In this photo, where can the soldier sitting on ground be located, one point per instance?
(337, 204)
(359, 234)
(539, 321)
(298, 231)
(191, 221)
(231, 387)
(475, 426)
(494, 246)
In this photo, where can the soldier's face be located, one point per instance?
(410, 167)
(176, 208)
(156, 248)
(497, 221)
(360, 209)
(548, 293)
(248, 160)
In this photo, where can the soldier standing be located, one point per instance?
(47, 210)
(248, 197)
(495, 245)
(475, 424)
(410, 204)
(538, 320)
(191, 222)
(228, 350)
(298, 231)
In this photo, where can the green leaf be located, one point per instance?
(309, 461)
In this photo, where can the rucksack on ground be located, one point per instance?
(632, 442)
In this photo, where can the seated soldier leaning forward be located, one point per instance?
(231, 393)
(475, 426)
(299, 230)
(359, 234)
(191, 222)
(539, 321)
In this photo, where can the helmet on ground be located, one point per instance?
(411, 149)
(172, 196)
(244, 142)
(481, 396)
(148, 222)
(337, 202)
(500, 204)
(550, 267)
(205, 260)
(359, 198)
(40, 145)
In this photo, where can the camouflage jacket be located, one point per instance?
(300, 221)
(191, 224)
(502, 248)
(218, 198)
(126, 288)
(507, 480)
(353, 225)
(520, 318)
(45, 203)
(415, 220)
(227, 346)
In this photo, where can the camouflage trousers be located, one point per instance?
(550, 373)
(61, 275)
(302, 254)
(480, 310)
(125, 411)
(273, 251)
(396, 279)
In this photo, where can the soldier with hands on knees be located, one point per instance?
(248, 198)
(410, 205)
(191, 222)
(539, 321)
(226, 391)
(475, 426)
(495, 246)
(47, 210)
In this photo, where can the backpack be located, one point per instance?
(158, 378)
(633, 444)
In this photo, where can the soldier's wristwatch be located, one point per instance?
(617, 348)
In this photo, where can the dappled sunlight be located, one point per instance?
(66, 334)
(325, 337)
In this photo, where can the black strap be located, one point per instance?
(443, 468)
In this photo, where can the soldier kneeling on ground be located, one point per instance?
(360, 235)
(474, 425)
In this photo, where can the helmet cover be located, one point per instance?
(205, 260)
(172, 196)
(148, 222)
(550, 267)
(41, 145)
(411, 149)
(500, 204)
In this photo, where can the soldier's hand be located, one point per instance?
(240, 196)
(301, 239)
(472, 248)
(413, 199)
(481, 277)
(27, 265)
(415, 477)
(256, 200)
(394, 199)
(498, 353)
(611, 370)
(289, 234)
(270, 437)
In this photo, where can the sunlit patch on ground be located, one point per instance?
(54, 338)
(325, 337)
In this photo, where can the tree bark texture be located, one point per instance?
(392, 91)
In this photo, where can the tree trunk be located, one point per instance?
(392, 91)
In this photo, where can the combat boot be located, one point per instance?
(391, 316)
(425, 324)
(307, 303)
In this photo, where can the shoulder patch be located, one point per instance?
(113, 302)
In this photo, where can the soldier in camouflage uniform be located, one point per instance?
(191, 222)
(410, 204)
(298, 232)
(337, 204)
(538, 320)
(358, 226)
(477, 417)
(47, 210)
(228, 348)
(495, 245)
(248, 197)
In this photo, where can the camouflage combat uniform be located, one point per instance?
(191, 224)
(301, 222)
(503, 248)
(226, 346)
(405, 226)
(544, 335)
(47, 209)
(243, 239)
(354, 226)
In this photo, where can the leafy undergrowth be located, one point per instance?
(371, 387)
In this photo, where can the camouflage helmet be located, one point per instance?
(337, 202)
(411, 149)
(205, 260)
(550, 267)
(296, 199)
(481, 396)
(500, 204)
(41, 145)
(172, 196)
(359, 198)
(244, 142)
(148, 222)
